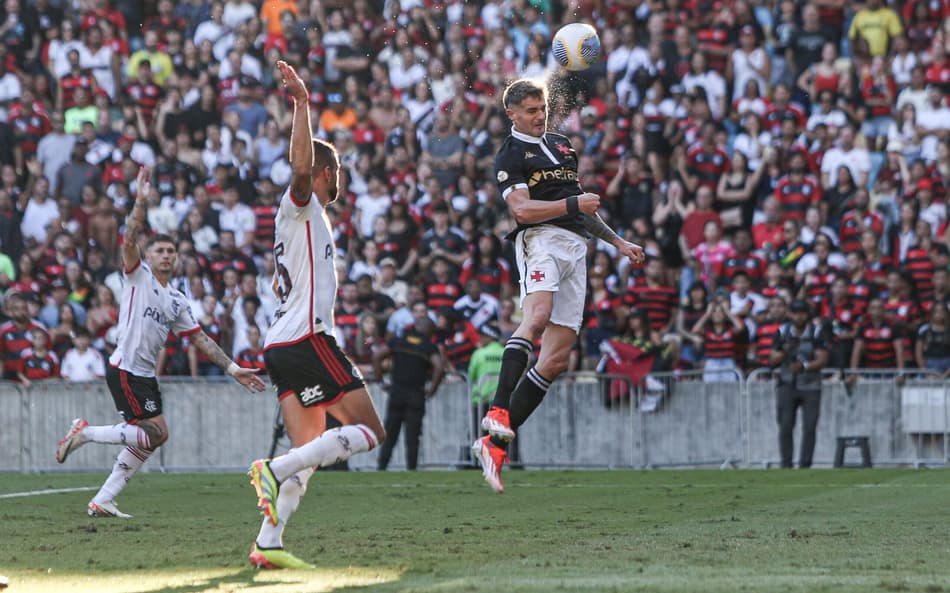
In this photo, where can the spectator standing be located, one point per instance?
(252, 357)
(720, 333)
(83, 363)
(706, 162)
(476, 307)
(371, 205)
(160, 65)
(390, 285)
(54, 149)
(483, 370)
(708, 256)
(877, 25)
(767, 331)
(444, 151)
(653, 295)
(848, 155)
(251, 112)
(749, 63)
(932, 350)
(76, 174)
(487, 265)
(801, 352)
(878, 344)
(442, 241)
(238, 218)
(29, 122)
(38, 362)
(16, 335)
(416, 371)
(40, 209)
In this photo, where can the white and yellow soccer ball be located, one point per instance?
(576, 46)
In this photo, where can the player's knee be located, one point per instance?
(157, 434)
(380, 434)
(535, 322)
(553, 365)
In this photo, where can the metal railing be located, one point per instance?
(587, 420)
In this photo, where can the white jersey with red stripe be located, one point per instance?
(305, 275)
(147, 312)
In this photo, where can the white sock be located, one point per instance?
(117, 434)
(127, 462)
(288, 499)
(333, 446)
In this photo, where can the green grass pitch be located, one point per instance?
(434, 531)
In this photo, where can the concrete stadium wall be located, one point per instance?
(217, 425)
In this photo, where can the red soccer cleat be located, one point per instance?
(498, 424)
(491, 458)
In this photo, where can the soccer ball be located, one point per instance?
(576, 46)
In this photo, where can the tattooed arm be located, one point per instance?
(596, 226)
(136, 222)
(209, 348)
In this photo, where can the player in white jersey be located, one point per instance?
(309, 370)
(149, 309)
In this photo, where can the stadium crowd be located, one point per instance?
(762, 152)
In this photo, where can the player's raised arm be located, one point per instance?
(136, 222)
(301, 135)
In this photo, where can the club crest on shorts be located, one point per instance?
(150, 405)
(502, 176)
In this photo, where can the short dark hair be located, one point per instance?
(519, 90)
(324, 154)
(160, 238)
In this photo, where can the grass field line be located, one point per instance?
(48, 491)
(627, 486)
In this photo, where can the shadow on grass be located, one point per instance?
(245, 578)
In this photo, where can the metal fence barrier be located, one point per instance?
(879, 407)
(686, 419)
(586, 420)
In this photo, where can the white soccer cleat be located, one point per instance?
(105, 510)
(71, 441)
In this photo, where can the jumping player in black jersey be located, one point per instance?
(536, 173)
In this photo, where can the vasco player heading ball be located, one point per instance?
(536, 171)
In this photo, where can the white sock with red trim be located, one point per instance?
(288, 499)
(117, 434)
(333, 446)
(127, 462)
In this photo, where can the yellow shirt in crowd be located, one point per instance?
(877, 27)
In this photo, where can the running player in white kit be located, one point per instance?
(310, 372)
(149, 309)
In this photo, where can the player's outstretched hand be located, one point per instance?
(632, 251)
(292, 81)
(588, 203)
(142, 186)
(249, 379)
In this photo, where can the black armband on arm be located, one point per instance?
(572, 207)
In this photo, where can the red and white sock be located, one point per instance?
(288, 499)
(333, 446)
(117, 434)
(127, 462)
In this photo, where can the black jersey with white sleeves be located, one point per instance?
(546, 167)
